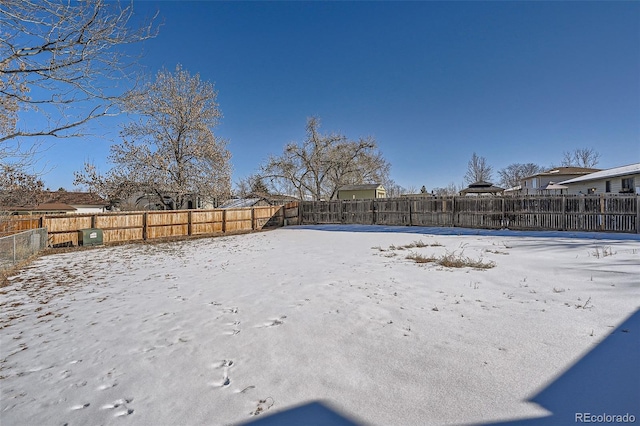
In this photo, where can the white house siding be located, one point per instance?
(600, 185)
(532, 185)
(81, 209)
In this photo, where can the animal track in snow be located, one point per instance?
(226, 381)
(275, 322)
(107, 386)
(80, 407)
(121, 405)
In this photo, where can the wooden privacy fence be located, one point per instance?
(147, 225)
(604, 213)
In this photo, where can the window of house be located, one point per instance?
(607, 186)
(627, 185)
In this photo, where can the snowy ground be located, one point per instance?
(217, 331)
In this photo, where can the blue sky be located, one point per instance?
(516, 82)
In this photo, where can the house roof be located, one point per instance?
(75, 198)
(579, 171)
(362, 187)
(631, 169)
(45, 207)
(239, 203)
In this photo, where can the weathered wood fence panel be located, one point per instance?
(131, 226)
(605, 213)
(10, 225)
(392, 212)
(437, 211)
(292, 214)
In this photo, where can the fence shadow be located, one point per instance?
(471, 231)
(604, 381)
(316, 413)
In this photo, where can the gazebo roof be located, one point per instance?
(481, 187)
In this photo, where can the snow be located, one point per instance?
(324, 320)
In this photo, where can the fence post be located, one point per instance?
(189, 224)
(503, 220)
(373, 212)
(253, 218)
(224, 220)
(300, 204)
(637, 214)
(145, 230)
(93, 221)
(602, 210)
(453, 211)
(563, 217)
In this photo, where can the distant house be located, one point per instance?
(482, 188)
(147, 200)
(539, 183)
(82, 202)
(239, 203)
(361, 192)
(618, 180)
(62, 202)
(257, 201)
(40, 209)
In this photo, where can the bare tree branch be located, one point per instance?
(323, 163)
(60, 60)
(582, 157)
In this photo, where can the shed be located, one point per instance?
(361, 192)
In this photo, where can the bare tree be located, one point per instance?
(18, 188)
(323, 163)
(447, 191)
(61, 60)
(478, 170)
(60, 64)
(393, 190)
(252, 185)
(171, 151)
(582, 157)
(513, 174)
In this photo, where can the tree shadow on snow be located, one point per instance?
(605, 381)
(469, 231)
(315, 413)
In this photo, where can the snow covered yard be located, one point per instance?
(221, 330)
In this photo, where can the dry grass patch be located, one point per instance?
(418, 258)
(452, 260)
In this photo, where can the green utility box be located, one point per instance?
(90, 237)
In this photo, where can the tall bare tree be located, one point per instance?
(581, 157)
(61, 60)
(447, 191)
(513, 174)
(478, 169)
(171, 150)
(323, 163)
(60, 67)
